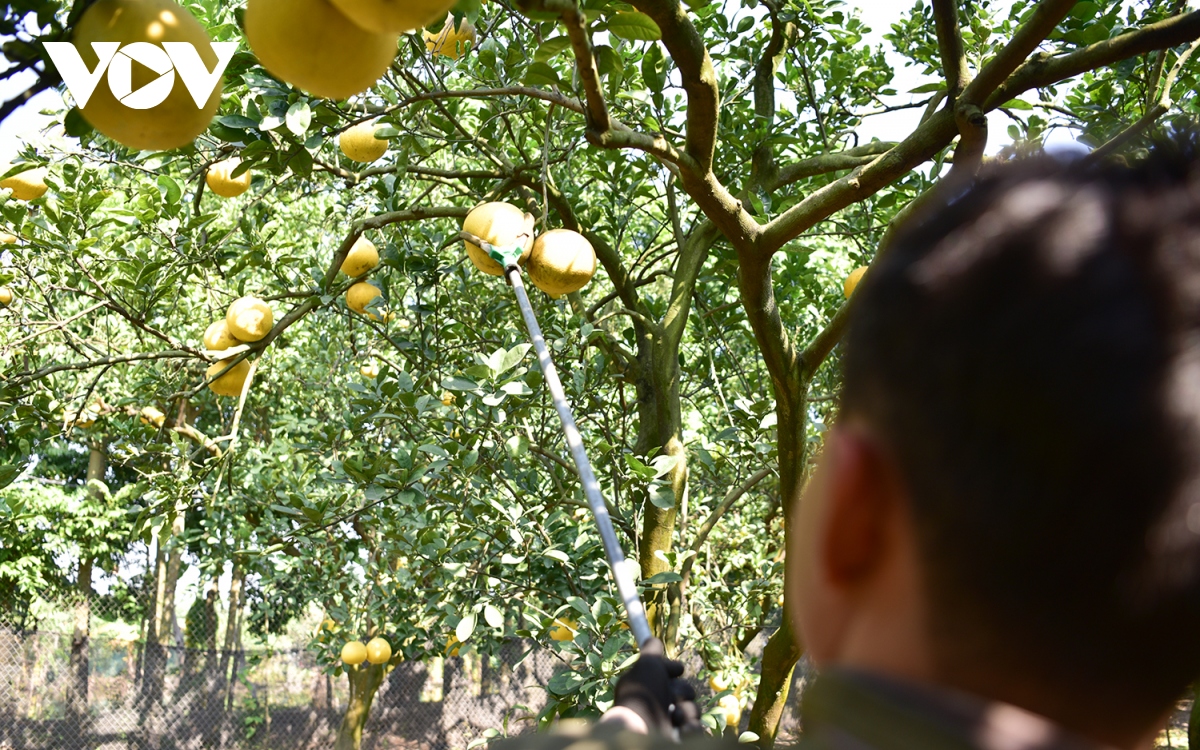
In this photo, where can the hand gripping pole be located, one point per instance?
(626, 587)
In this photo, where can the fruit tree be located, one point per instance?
(347, 410)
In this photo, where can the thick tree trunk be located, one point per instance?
(663, 435)
(154, 656)
(80, 665)
(789, 381)
(364, 683)
(168, 619)
(233, 632)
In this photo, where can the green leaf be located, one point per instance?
(747, 737)
(1016, 104)
(927, 88)
(492, 616)
(665, 577)
(170, 189)
(74, 124)
(237, 122)
(634, 25)
(513, 357)
(459, 384)
(565, 683)
(662, 496)
(298, 118)
(9, 473)
(464, 628)
(551, 47)
(541, 74)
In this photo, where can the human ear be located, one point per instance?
(852, 540)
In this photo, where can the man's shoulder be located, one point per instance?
(597, 738)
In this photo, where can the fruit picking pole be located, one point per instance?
(626, 587)
(591, 488)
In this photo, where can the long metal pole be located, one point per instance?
(626, 587)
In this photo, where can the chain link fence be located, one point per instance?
(139, 695)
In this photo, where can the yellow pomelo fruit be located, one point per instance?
(851, 282)
(360, 295)
(177, 120)
(451, 42)
(6, 296)
(562, 262)
(564, 630)
(369, 371)
(718, 682)
(453, 645)
(359, 143)
(379, 651)
(221, 182)
(7, 239)
(361, 258)
(230, 384)
(217, 337)
(354, 653)
(312, 46)
(151, 416)
(502, 225)
(393, 16)
(732, 708)
(448, 398)
(249, 319)
(28, 185)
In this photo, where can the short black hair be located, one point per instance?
(1029, 352)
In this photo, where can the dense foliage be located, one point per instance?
(438, 499)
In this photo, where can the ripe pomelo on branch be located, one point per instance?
(249, 319)
(451, 42)
(354, 653)
(312, 46)
(851, 282)
(363, 256)
(502, 225)
(394, 16)
(564, 630)
(26, 186)
(217, 337)
(360, 295)
(7, 239)
(6, 296)
(369, 371)
(562, 262)
(379, 651)
(230, 384)
(177, 120)
(359, 143)
(221, 181)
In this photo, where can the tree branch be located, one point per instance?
(1045, 17)
(1044, 70)
(696, 73)
(950, 44)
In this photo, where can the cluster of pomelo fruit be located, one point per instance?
(558, 261)
(375, 651)
(329, 48)
(247, 320)
(338, 48)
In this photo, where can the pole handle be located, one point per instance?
(626, 586)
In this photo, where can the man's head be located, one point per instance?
(1010, 502)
